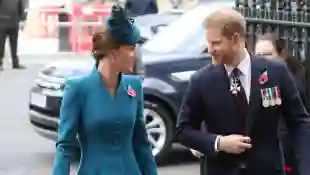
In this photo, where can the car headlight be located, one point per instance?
(184, 76)
(49, 82)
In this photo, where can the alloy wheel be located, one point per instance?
(156, 130)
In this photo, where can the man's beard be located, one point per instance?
(228, 57)
(221, 59)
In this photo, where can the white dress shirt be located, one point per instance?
(245, 77)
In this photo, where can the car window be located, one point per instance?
(150, 25)
(157, 19)
(186, 34)
(175, 37)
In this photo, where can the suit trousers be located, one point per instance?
(12, 34)
(203, 167)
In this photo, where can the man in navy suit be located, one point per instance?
(241, 100)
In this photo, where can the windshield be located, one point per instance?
(186, 34)
(175, 37)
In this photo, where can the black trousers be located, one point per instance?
(12, 34)
(203, 167)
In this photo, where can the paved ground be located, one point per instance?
(22, 152)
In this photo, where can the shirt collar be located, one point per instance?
(243, 66)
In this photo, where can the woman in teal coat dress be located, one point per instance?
(105, 109)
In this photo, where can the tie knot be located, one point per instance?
(236, 72)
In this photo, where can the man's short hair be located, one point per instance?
(228, 20)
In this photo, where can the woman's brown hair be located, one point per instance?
(102, 44)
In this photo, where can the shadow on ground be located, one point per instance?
(178, 157)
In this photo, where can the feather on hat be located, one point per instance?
(122, 28)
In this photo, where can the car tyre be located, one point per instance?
(155, 113)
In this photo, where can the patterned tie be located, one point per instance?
(238, 93)
(241, 104)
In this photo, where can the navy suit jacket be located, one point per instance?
(209, 100)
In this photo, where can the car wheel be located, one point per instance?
(159, 128)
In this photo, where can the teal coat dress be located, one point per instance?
(111, 130)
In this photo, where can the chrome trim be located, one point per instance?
(46, 133)
(183, 76)
(51, 93)
(43, 116)
(51, 79)
(52, 83)
(46, 84)
(158, 84)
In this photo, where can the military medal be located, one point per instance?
(277, 96)
(265, 101)
(271, 96)
(268, 98)
(234, 87)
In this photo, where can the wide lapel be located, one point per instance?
(222, 83)
(255, 95)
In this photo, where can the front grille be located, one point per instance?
(51, 87)
(45, 111)
(54, 103)
(52, 109)
(42, 126)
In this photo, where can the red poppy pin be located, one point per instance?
(131, 92)
(263, 78)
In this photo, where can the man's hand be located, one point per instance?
(234, 144)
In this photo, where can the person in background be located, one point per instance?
(271, 46)
(11, 12)
(105, 109)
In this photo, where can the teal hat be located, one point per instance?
(122, 28)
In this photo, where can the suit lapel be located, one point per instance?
(255, 96)
(222, 82)
(223, 73)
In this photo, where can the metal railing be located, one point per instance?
(289, 18)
